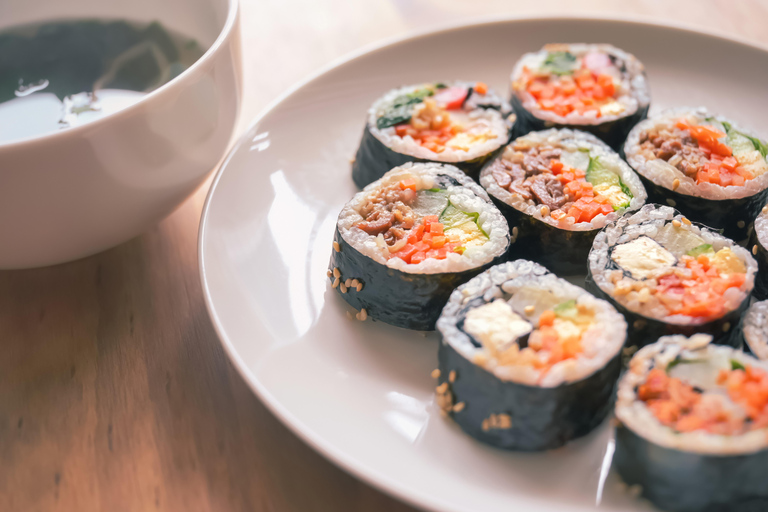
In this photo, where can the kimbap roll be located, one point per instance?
(670, 276)
(754, 328)
(693, 426)
(558, 188)
(527, 360)
(459, 123)
(407, 240)
(758, 241)
(704, 165)
(592, 87)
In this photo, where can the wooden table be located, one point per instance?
(114, 391)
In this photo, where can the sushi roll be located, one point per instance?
(693, 426)
(754, 327)
(557, 188)
(704, 165)
(459, 123)
(527, 360)
(670, 276)
(407, 240)
(758, 241)
(592, 87)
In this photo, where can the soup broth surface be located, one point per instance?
(56, 75)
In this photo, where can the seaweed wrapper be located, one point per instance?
(374, 159)
(411, 301)
(562, 251)
(642, 330)
(521, 417)
(613, 133)
(732, 217)
(760, 292)
(680, 481)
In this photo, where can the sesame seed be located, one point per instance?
(686, 221)
(676, 223)
(754, 249)
(435, 373)
(362, 315)
(485, 425)
(741, 224)
(529, 310)
(515, 231)
(504, 420)
(352, 160)
(452, 376)
(343, 288)
(442, 388)
(459, 407)
(765, 209)
(544, 211)
(336, 272)
(726, 326)
(354, 283)
(336, 246)
(675, 184)
(335, 283)
(359, 287)
(329, 273)
(671, 202)
(348, 283)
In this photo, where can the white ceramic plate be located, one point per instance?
(360, 392)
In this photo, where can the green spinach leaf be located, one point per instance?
(561, 63)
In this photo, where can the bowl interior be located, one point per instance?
(200, 19)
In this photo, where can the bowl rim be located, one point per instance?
(233, 12)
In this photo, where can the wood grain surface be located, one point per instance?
(115, 394)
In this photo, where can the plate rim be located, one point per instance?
(316, 442)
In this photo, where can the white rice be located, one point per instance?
(664, 174)
(647, 222)
(633, 86)
(469, 197)
(601, 342)
(636, 415)
(570, 140)
(755, 329)
(761, 228)
(492, 118)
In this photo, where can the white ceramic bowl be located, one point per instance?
(79, 191)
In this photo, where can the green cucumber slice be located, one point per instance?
(452, 217)
(700, 249)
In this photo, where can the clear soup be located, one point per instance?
(56, 75)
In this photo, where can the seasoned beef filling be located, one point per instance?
(528, 173)
(666, 144)
(389, 212)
